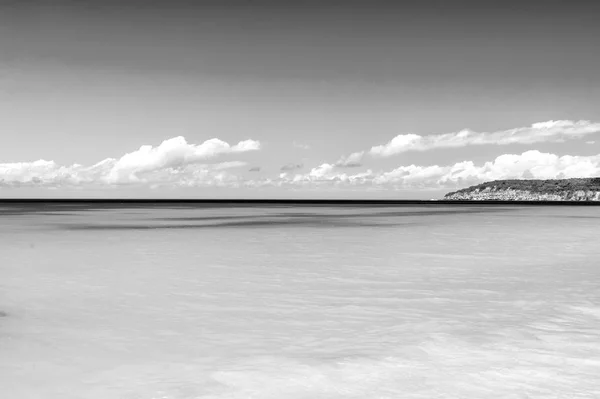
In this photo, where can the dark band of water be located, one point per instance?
(294, 202)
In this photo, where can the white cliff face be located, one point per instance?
(491, 193)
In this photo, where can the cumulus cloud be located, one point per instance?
(322, 174)
(555, 131)
(229, 165)
(351, 161)
(172, 160)
(40, 172)
(177, 163)
(530, 164)
(172, 153)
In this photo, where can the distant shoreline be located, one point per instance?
(534, 190)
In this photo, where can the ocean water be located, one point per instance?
(276, 302)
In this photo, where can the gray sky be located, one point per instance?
(308, 82)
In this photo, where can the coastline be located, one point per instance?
(552, 190)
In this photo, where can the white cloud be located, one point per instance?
(229, 165)
(530, 164)
(350, 161)
(538, 132)
(321, 171)
(325, 173)
(177, 163)
(172, 153)
(174, 160)
(39, 172)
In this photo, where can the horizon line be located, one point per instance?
(250, 201)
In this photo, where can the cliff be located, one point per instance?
(531, 190)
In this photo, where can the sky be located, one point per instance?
(294, 99)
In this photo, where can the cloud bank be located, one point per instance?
(555, 131)
(177, 163)
(528, 165)
(173, 161)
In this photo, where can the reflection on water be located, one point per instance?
(307, 302)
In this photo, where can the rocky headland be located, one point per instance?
(531, 190)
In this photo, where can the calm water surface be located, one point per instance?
(300, 302)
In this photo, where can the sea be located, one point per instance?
(278, 301)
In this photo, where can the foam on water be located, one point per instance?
(555, 357)
(536, 364)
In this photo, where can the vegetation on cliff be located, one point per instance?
(535, 187)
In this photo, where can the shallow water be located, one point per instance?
(300, 302)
